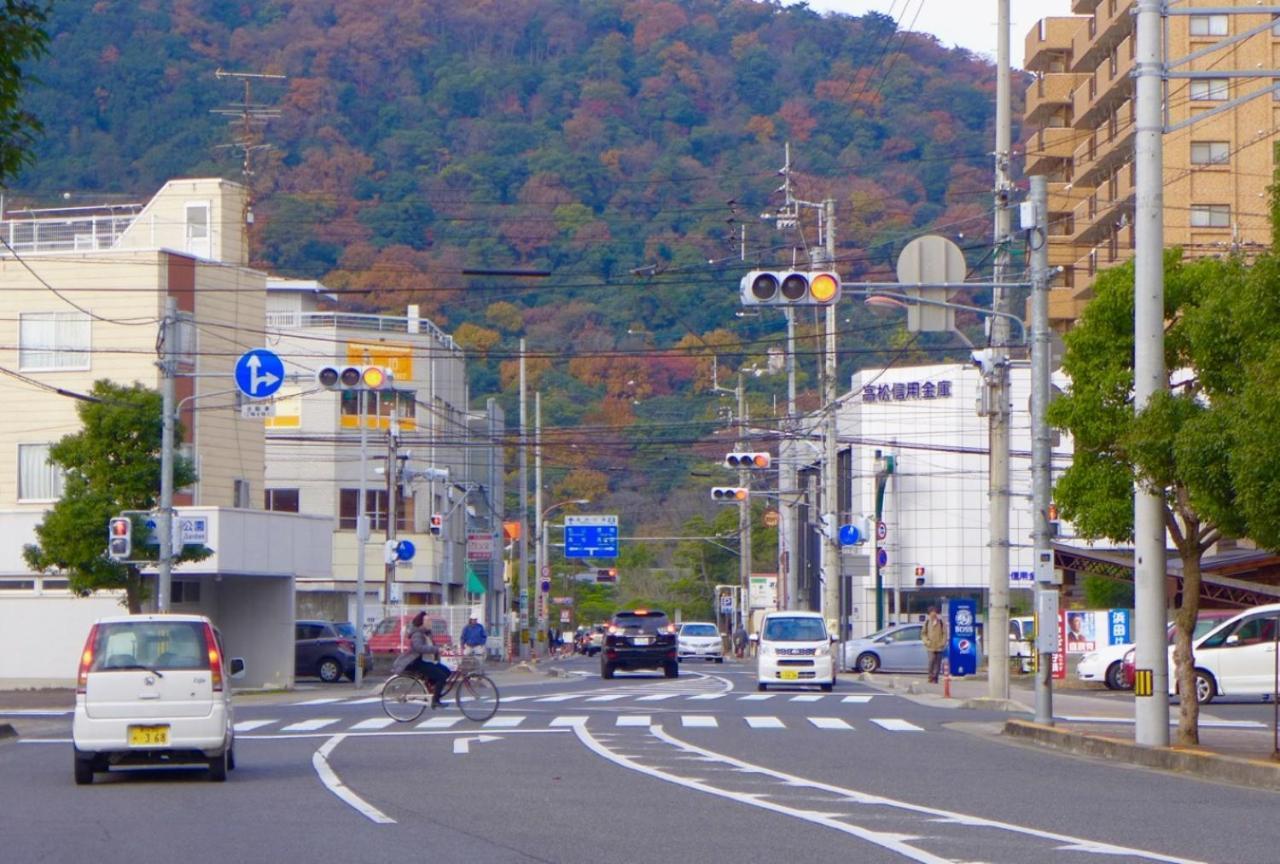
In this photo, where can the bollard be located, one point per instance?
(946, 686)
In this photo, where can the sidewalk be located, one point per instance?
(1086, 725)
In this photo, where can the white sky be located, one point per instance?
(968, 23)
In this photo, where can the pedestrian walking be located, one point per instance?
(739, 641)
(474, 638)
(934, 635)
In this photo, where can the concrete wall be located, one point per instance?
(41, 637)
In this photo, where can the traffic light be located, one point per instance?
(729, 494)
(119, 538)
(746, 460)
(789, 288)
(437, 523)
(354, 377)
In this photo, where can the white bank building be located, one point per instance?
(917, 454)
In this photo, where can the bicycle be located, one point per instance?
(405, 695)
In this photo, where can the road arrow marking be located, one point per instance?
(463, 745)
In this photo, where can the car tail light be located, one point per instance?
(86, 660)
(347, 645)
(215, 658)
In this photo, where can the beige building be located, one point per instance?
(1079, 133)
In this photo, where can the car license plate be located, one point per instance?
(148, 736)
(641, 640)
(788, 674)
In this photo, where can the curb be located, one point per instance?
(1235, 770)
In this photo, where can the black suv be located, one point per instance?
(639, 639)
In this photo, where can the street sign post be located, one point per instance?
(259, 373)
(591, 536)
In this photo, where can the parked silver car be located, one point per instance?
(896, 648)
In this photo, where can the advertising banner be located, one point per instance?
(962, 653)
(1091, 629)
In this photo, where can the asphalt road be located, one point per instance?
(701, 768)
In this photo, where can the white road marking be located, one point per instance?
(373, 723)
(658, 697)
(857, 700)
(704, 721)
(328, 700)
(807, 697)
(633, 720)
(707, 697)
(506, 721)
(569, 720)
(756, 697)
(310, 725)
(463, 745)
(368, 700)
(320, 761)
(612, 697)
(563, 697)
(764, 723)
(895, 724)
(829, 723)
(439, 722)
(509, 699)
(250, 725)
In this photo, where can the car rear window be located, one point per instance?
(151, 644)
(698, 630)
(795, 630)
(649, 622)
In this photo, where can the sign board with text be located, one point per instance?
(591, 536)
(479, 547)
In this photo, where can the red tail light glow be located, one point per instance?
(215, 659)
(86, 660)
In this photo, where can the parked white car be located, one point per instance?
(1236, 658)
(1105, 664)
(154, 689)
(699, 640)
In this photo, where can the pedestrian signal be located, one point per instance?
(119, 538)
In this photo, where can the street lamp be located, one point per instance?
(540, 556)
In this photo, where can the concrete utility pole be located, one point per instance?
(788, 560)
(1151, 713)
(538, 529)
(168, 363)
(392, 472)
(524, 511)
(997, 623)
(362, 534)
(1041, 442)
(744, 510)
(830, 484)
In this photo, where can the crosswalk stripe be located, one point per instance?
(764, 723)
(634, 720)
(704, 721)
(658, 697)
(373, 723)
(857, 700)
(563, 697)
(310, 725)
(612, 697)
(707, 697)
(506, 721)
(250, 725)
(829, 723)
(807, 697)
(325, 701)
(569, 720)
(507, 700)
(895, 724)
(368, 700)
(439, 722)
(755, 697)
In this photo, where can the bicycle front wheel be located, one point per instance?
(477, 696)
(404, 698)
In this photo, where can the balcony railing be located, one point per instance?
(74, 229)
(292, 320)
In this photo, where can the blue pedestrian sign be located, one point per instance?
(259, 373)
(591, 536)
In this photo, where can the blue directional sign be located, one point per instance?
(259, 373)
(405, 550)
(591, 536)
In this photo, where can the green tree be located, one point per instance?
(22, 39)
(1180, 446)
(111, 465)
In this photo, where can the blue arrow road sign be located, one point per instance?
(591, 536)
(405, 550)
(259, 373)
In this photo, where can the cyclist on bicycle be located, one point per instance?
(423, 658)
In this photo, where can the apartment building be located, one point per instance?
(448, 460)
(83, 291)
(1079, 133)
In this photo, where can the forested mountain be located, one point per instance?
(625, 147)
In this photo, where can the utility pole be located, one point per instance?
(744, 511)
(1151, 713)
(788, 560)
(1041, 444)
(524, 510)
(168, 364)
(540, 556)
(362, 534)
(392, 472)
(830, 473)
(997, 623)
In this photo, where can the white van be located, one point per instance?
(794, 648)
(154, 689)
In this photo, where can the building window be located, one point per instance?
(281, 500)
(1210, 216)
(1210, 152)
(53, 341)
(375, 505)
(1209, 89)
(38, 478)
(185, 591)
(240, 494)
(1208, 25)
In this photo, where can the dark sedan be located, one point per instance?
(321, 650)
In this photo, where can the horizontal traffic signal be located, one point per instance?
(729, 494)
(789, 288)
(747, 460)
(354, 377)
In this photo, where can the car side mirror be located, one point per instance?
(237, 667)
(1233, 639)
(753, 638)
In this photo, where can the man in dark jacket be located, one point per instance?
(474, 638)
